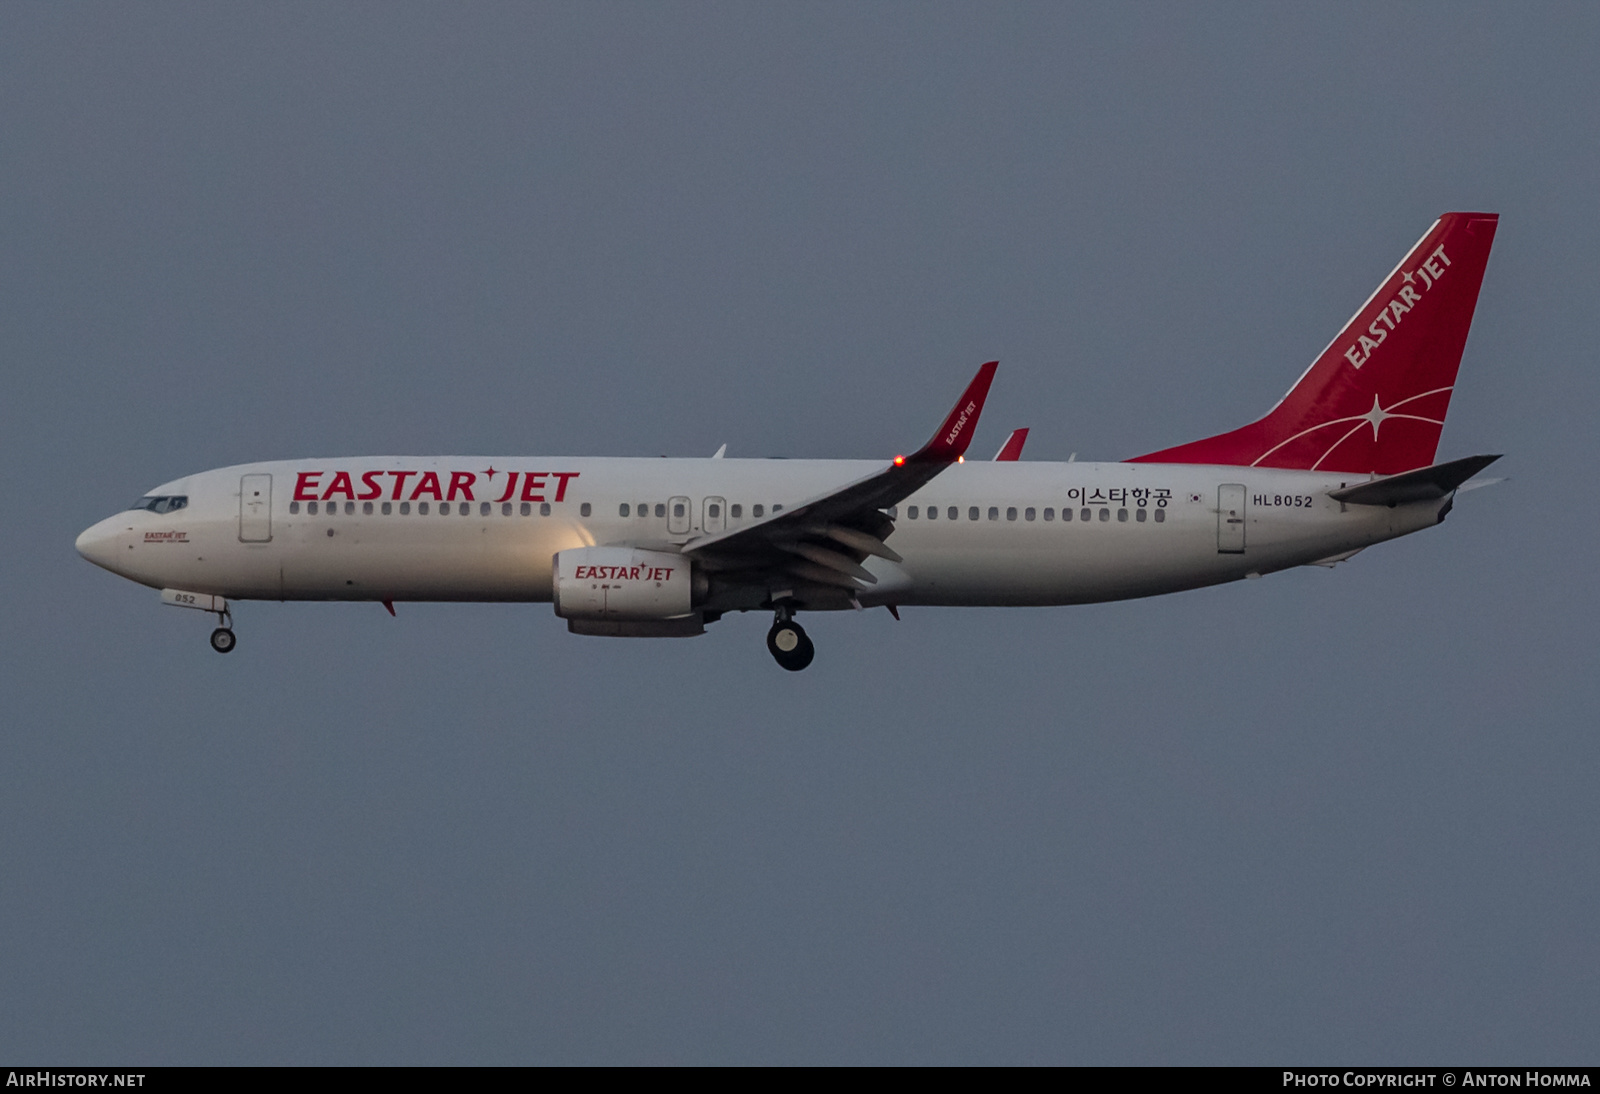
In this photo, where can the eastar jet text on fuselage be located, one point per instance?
(660, 548)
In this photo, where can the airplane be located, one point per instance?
(627, 547)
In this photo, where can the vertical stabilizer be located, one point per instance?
(1374, 401)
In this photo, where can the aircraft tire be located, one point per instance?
(222, 640)
(790, 646)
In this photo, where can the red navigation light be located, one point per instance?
(899, 461)
(961, 459)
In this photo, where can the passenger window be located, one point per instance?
(388, 508)
(483, 509)
(778, 508)
(1085, 514)
(757, 510)
(736, 511)
(1139, 514)
(1011, 512)
(713, 510)
(366, 508)
(1050, 514)
(422, 508)
(933, 512)
(505, 509)
(1122, 515)
(1161, 516)
(994, 512)
(350, 509)
(405, 508)
(527, 509)
(955, 514)
(584, 509)
(644, 508)
(911, 512)
(1105, 514)
(622, 510)
(294, 507)
(661, 510)
(544, 509)
(311, 507)
(465, 508)
(677, 509)
(1029, 514)
(972, 513)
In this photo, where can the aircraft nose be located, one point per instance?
(98, 543)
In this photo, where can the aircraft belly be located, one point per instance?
(1067, 574)
(470, 560)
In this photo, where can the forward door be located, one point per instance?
(255, 508)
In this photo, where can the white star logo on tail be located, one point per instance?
(1374, 417)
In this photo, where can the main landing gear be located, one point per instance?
(788, 643)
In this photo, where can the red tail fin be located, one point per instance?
(1374, 401)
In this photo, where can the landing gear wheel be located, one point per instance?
(789, 645)
(222, 640)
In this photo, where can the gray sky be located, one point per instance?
(1322, 817)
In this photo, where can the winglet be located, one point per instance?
(1012, 449)
(949, 444)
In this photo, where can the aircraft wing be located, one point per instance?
(823, 540)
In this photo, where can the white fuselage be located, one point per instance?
(248, 532)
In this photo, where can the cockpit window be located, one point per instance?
(161, 504)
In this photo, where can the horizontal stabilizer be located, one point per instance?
(1423, 484)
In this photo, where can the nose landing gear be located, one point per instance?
(788, 643)
(222, 639)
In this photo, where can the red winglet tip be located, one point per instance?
(390, 605)
(1012, 449)
(950, 442)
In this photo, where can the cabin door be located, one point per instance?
(255, 508)
(1230, 519)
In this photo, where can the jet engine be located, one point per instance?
(623, 585)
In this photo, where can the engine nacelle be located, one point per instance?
(620, 583)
